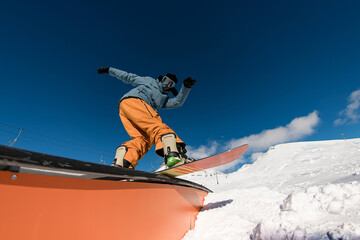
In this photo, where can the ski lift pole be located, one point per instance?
(102, 161)
(343, 135)
(11, 143)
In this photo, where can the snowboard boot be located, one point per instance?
(119, 160)
(174, 153)
(182, 151)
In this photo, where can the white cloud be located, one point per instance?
(351, 112)
(254, 156)
(298, 128)
(231, 166)
(203, 151)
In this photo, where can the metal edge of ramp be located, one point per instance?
(24, 161)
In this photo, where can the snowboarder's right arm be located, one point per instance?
(129, 78)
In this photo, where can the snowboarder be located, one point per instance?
(138, 110)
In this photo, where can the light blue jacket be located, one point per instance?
(150, 90)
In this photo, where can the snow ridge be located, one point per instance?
(304, 190)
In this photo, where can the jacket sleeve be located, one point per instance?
(129, 78)
(179, 100)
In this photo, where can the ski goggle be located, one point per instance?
(168, 82)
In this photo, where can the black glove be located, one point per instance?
(189, 82)
(103, 70)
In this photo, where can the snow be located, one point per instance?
(305, 190)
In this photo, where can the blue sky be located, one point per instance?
(278, 71)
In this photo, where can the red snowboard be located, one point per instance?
(205, 163)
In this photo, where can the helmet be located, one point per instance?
(169, 75)
(172, 77)
(169, 81)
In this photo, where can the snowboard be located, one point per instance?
(205, 163)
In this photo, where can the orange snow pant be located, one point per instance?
(144, 126)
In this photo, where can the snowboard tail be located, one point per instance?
(205, 163)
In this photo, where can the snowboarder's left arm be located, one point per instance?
(179, 100)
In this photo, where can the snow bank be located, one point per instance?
(308, 190)
(329, 212)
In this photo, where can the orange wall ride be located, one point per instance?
(48, 207)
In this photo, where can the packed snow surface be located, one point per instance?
(306, 190)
